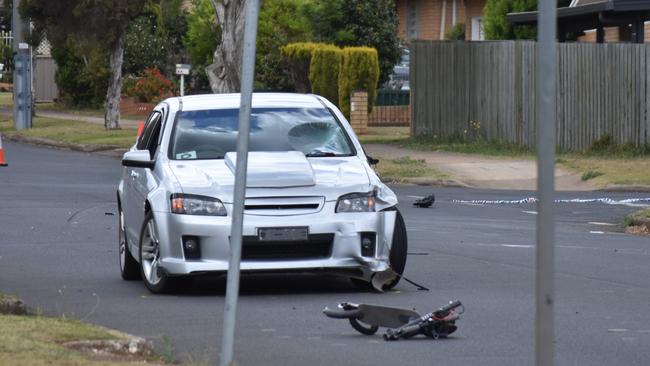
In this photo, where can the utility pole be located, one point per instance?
(239, 195)
(22, 72)
(546, 119)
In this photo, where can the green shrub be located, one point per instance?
(456, 33)
(128, 85)
(359, 72)
(324, 71)
(591, 174)
(152, 87)
(298, 57)
(81, 74)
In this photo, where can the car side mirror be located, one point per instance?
(371, 160)
(138, 159)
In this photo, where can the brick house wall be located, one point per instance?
(430, 15)
(474, 8)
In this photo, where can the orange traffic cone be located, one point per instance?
(140, 129)
(2, 154)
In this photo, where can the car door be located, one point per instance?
(135, 193)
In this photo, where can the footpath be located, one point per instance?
(480, 171)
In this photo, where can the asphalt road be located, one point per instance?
(58, 242)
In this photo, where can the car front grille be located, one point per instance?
(283, 206)
(315, 247)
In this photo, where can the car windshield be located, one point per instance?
(210, 134)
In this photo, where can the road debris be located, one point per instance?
(425, 202)
(402, 323)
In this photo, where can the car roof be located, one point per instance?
(232, 101)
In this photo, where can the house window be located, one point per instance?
(412, 19)
(477, 29)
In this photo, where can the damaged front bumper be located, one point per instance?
(339, 238)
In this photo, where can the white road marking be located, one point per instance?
(617, 330)
(530, 212)
(601, 223)
(596, 232)
(515, 246)
(268, 330)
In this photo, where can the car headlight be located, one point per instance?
(189, 204)
(356, 202)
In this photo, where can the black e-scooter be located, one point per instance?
(401, 323)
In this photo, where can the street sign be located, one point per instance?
(183, 69)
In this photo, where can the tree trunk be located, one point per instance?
(112, 115)
(225, 72)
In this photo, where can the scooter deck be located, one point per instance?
(386, 316)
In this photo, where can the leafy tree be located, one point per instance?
(99, 23)
(6, 15)
(145, 46)
(371, 23)
(281, 22)
(201, 39)
(496, 25)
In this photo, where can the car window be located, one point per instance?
(210, 134)
(149, 127)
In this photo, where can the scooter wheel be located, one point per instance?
(363, 328)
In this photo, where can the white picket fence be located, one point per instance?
(6, 38)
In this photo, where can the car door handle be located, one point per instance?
(134, 174)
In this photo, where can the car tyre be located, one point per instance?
(397, 256)
(154, 277)
(129, 268)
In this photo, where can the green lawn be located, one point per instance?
(6, 99)
(399, 170)
(72, 132)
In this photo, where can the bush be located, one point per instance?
(324, 71)
(456, 33)
(81, 74)
(298, 58)
(152, 87)
(359, 72)
(128, 86)
(281, 22)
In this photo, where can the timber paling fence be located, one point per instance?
(602, 90)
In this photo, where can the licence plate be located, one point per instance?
(283, 233)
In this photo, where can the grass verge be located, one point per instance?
(35, 340)
(399, 170)
(73, 132)
(603, 171)
(638, 222)
(399, 136)
(6, 99)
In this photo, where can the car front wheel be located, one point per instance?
(153, 275)
(397, 256)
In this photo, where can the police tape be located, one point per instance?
(608, 201)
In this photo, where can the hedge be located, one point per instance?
(298, 56)
(359, 72)
(324, 71)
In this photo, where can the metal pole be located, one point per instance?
(182, 85)
(232, 286)
(546, 115)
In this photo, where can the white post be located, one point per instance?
(546, 116)
(182, 85)
(232, 286)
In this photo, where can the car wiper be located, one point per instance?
(317, 154)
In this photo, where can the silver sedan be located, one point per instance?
(313, 201)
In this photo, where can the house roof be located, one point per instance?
(589, 8)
